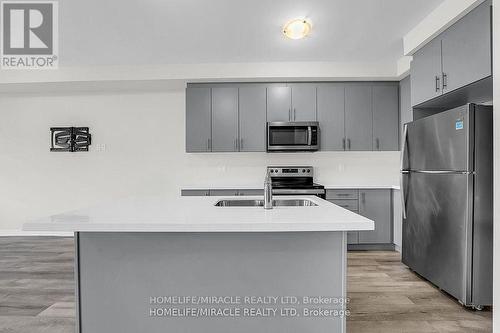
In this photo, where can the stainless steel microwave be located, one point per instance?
(293, 136)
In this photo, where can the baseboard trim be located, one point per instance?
(22, 233)
(370, 247)
(397, 248)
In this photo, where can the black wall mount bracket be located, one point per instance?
(70, 139)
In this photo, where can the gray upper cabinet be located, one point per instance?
(426, 73)
(376, 205)
(198, 120)
(225, 119)
(279, 99)
(358, 117)
(331, 116)
(386, 117)
(303, 102)
(467, 49)
(252, 110)
(459, 56)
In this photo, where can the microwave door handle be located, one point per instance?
(309, 135)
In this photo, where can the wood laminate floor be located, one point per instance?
(36, 292)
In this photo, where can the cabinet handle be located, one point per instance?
(377, 143)
(290, 114)
(343, 143)
(209, 144)
(437, 83)
(445, 81)
(235, 144)
(241, 143)
(294, 114)
(349, 144)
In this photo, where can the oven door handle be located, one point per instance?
(309, 135)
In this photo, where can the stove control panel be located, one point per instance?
(296, 171)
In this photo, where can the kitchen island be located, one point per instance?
(186, 265)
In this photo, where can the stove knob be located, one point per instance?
(272, 170)
(276, 170)
(303, 170)
(308, 170)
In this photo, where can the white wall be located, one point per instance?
(144, 138)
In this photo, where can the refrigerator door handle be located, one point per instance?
(403, 151)
(443, 172)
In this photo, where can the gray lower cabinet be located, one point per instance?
(385, 117)
(331, 116)
(225, 119)
(252, 118)
(303, 102)
(376, 205)
(198, 120)
(279, 99)
(195, 193)
(466, 49)
(358, 117)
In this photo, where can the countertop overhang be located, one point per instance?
(198, 214)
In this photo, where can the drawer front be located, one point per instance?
(194, 193)
(223, 192)
(251, 192)
(351, 205)
(342, 194)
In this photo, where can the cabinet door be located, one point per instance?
(426, 72)
(467, 49)
(303, 102)
(198, 120)
(353, 237)
(279, 103)
(386, 117)
(252, 113)
(358, 117)
(331, 116)
(224, 119)
(376, 205)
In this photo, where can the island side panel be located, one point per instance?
(120, 272)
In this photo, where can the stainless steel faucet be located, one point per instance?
(268, 192)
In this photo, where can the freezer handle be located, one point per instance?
(401, 182)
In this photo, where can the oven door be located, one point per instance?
(292, 136)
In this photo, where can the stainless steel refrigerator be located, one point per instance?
(447, 196)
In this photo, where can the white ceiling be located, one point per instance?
(151, 32)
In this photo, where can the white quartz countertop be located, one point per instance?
(198, 214)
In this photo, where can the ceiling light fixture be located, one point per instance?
(297, 29)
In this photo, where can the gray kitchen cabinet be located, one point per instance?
(225, 119)
(198, 120)
(331, 116)
(251, 192)
(279, 99)
(358, 117)
(224, 192)
(405, 109)
(376, 205)
(426, 73)
(195, 193)
(303, 102)
(458, 57)
(466, 49)
(252, 118)
(352, 237)
(386, 117)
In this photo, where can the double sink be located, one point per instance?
(260, 203)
